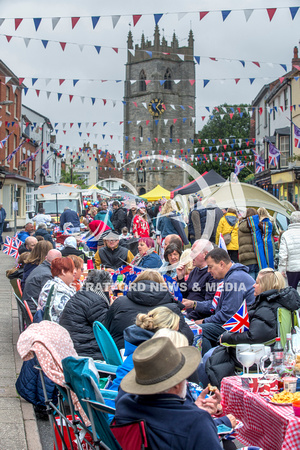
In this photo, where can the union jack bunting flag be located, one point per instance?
(222, 242)
(297, 136)
(274, 154)
(2, 143)
(239, 165)
(11, 247)
(46, 169)
(239, 322)
(10, 157)
(67, 230)
(173, 288)
(217, 296)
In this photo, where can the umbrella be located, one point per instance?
(56, 189)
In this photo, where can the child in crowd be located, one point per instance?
(125, 234)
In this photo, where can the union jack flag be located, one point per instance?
(56, 229)
(239, 165)
(222, 242)
(67, 230)
(11, 247)
(217, 296)
(239, 322)
(297, 136)
(274, 154)
(46, 169)
(173, 288)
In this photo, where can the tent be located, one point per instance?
(156, 193)
(242, 196)
(207, 178)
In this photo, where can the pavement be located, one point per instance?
(18, 429)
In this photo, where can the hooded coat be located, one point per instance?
(78, 317)
(263, 328)
(141, 298)
(229, 224)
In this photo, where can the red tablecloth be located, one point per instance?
(268, 426)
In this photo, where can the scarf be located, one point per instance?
(267, 228)
(257, 241)
(138, 258)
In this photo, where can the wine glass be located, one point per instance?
(247, 359)
(242, 348)
(259, 351)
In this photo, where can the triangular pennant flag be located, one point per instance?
(93, 100)
(115, 20)
(284, 67)
(293, 11)
(203, 14)
(74, 21)
(248, 13)
(242, 62)
(75, 82)
(115, 49)
(157, 18)
(48, 94)
(236, 80)
(14, 87)
(17, 23)
(1, 21)
(149, 53)
(21, 81)
(192, 82)
(197, 59)
(271, 12)
(132, 51)
(95, 20)
(55, 21)
(37, 92)
(205, 82)
(25, 90)
(63, 45)
(225, 14)
(45, 43)
(47, 81)
(136, 18)
(70, 97)
(81, 46)
(256, 63)
(176, 81)
(8, 38)
(59, 96)
(180, 56)
(26, 41)
(34, 80)
(98, 48)
(61, 80)
(37, 22)
(251, 80)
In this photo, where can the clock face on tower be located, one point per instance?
(156, 107)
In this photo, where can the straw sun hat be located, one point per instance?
(158, 366)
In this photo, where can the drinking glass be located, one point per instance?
(242, 348)
(259, 351)
(247, 359)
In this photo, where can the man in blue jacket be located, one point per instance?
(237, 286)
(70, 216)
(156, 393)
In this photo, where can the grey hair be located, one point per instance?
(295, 217)
(98, 278)
(42, 225)
(204, 245)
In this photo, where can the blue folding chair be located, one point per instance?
(81, 377)
(107, 345)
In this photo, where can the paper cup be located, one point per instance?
(290, 384)
(250, 382)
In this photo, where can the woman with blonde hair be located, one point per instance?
(270, 294)
(146, 325)
(170, 221)
(148, 291)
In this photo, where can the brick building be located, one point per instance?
(159, 110)
(16, 180)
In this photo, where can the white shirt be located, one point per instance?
(41, 218)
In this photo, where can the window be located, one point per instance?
(168, 79)
(16, 107)
(265, 115)
(141, 132)
(286, 100)
(6, 146)
(16, 155)
(142, 82)
(284, 147)
(7, 99)
(171, 131)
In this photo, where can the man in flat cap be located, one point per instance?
(155, 391)
(112, 255)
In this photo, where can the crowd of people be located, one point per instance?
(218, 259)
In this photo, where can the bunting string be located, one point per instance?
(94, 20)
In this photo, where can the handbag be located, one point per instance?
(227, 237)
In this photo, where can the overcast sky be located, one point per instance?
(234, 39)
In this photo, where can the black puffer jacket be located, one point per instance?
(78, 317)
(263, 328)
(142, 297)
(46, 235)
(263, 316)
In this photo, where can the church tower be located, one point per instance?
(159, 110)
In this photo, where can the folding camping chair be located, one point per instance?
(19, 286)
(107, 345)
(24, 313)
(82, 378)
(285, 323)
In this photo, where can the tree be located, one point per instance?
(71, 176)
(223, 140)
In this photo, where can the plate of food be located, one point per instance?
(285, 398)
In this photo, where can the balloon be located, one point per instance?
(86, 206)
(89, 203)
